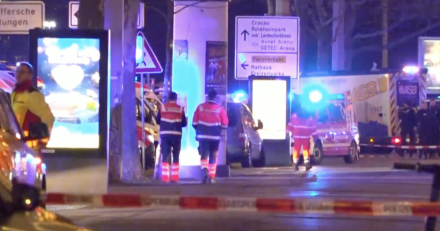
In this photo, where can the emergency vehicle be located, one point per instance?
(336, 131)
(372, 101)
(151, 106)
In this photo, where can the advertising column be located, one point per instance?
(200, 37)
(71, 72)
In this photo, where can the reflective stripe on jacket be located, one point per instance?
(301, 128)
(209, 119)
(171, 118)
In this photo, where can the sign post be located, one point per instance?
(146, 63)
(21, 16)
(143, 120)
(266, 46)
(73, 15)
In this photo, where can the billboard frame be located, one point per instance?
(103, 36)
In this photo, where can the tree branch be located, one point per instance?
(164, 16)
(189, 5)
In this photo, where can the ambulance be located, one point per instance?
(370, 107)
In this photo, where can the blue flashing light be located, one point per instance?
(411, 69)
(315, 96)
(340, 96)
(139, 49)
(291, 96)
(438, 97)
(239, 96)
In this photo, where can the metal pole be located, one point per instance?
(431, 221)
(142, 100)
(385, 33)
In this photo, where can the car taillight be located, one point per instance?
(396, 140)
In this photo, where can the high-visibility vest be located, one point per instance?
(209, 119)
(171, 119)
(301, 128)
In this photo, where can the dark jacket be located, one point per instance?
(434, 117)
(408, 118)
(172, 119)
(424, 120)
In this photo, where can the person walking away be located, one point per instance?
(209, 120)
(302, 126)
(435, 124)
(29, 104)
(408, 124)
(424, 129)
(171, 118)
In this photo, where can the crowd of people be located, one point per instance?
(421, 127)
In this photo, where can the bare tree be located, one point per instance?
(124, 159)
(421, 14)
(91, 14)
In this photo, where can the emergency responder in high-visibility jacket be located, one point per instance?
(29, 104)
(303, 127)
(172, 119)
(209, 121)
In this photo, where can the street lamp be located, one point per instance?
(49, 24)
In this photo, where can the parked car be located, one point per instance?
(18, 161)
(20, 210)
(244, 144)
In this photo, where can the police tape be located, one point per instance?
(402, 146)
(299, 206)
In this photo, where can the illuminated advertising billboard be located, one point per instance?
(72, 75)
(429, 57)
(269, 102)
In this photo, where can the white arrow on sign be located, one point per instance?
(266, 46)
(146, 60)
(73, 15)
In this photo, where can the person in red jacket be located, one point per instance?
(171, 119)
(303, 127)
(209, 120)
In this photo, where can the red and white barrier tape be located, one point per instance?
(403, 146)
(300, 206)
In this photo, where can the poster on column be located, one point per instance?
(180, 61)
(216, 69)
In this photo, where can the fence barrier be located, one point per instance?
(299, 206)
(412, 147)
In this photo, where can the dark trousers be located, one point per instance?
(412, 138)
(208, 149)
(168, 145)
(424, 139)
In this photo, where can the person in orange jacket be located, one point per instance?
(302, 125)
(209, 120)
(28, 103)
(171, 119)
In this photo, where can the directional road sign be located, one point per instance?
(266, 46)
(20, 16)
(146, 60)
(73, 15)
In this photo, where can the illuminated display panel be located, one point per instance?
(68, 71)
(431, 60)
(269, 105)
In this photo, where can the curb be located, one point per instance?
(298, 206)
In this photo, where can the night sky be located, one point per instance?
(155, 31)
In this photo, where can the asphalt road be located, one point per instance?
(371, 178)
